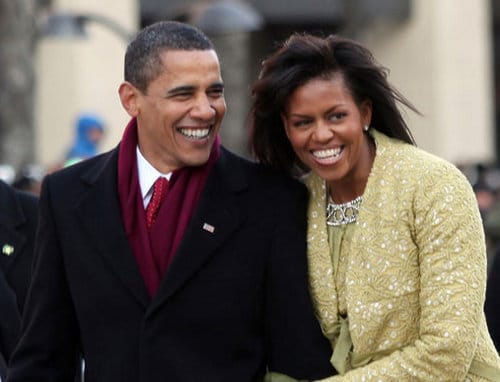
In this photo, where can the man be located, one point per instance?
(18, 218)
(211, 286)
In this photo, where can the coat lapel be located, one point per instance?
(107, 231)
(215, 219)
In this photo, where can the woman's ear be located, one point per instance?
(366, 112)
(129, 98)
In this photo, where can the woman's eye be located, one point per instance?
(337, 116)
(301, 123)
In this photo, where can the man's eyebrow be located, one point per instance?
(180, 89)
(218, 84)
(190, 88)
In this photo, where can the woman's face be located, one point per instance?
(325, 128)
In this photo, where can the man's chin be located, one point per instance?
(197, 160)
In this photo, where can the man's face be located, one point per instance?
(180, 114)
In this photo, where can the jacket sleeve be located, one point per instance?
(296, 346)
(452, 256)
(9, 323)
(48, 348)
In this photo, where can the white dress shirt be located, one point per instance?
(147, 176)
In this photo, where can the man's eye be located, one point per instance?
(216, 93)
(182, 95)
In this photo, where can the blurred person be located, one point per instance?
(89, 133)
(492, 303)
(30, 179)
(210, 287)
(491, 223)
(485, 198)
(485, 184)
(18, 219)
(7, 173)
(396, 248)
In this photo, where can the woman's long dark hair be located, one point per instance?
(301, 58)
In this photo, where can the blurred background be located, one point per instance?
(61, 63)
(62, 60)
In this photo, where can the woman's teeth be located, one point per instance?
(321, 154)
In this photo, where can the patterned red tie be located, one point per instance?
(159, 189)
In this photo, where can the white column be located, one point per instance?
(81, 74)
(441, 59)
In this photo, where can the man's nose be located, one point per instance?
(203, 108)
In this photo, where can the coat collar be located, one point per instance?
(101, 219)
(320, 261)
(319, 256)
(215, 218)
(11, 212)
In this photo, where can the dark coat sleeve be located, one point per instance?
(48, 348)
(297, 347)
(18, 220)
(9, 323)
(19, 273)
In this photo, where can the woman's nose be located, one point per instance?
(323, 132)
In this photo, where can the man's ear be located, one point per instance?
(128, 97)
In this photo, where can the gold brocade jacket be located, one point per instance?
(416, 273)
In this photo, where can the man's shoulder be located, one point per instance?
(68, 184)
(10, 196)
(257, 173)
(85, 167)
(29, 201)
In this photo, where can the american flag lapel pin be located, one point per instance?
(208, 227)
(7, 249)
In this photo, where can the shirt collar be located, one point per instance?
(147, 173)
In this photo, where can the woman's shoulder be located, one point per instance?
(409, 161)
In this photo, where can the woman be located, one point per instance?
(396, 248)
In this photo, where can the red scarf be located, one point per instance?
(154, 249)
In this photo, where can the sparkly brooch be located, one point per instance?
(345, 213)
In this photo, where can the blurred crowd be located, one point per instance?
(89, 130)
(485, 180)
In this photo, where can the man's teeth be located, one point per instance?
(327, 153)
(195, 133)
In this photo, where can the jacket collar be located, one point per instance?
(214, 220)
